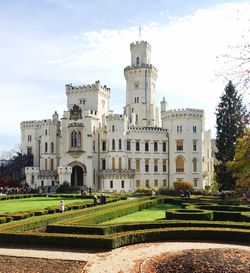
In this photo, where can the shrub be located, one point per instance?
(179, 185)
(188, 214)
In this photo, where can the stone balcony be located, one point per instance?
(116, 173)
(47, 174)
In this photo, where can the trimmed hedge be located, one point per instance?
(188, 214)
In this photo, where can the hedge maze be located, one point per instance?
(83, 225)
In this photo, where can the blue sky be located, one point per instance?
(45, 44)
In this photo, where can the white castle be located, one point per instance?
(90, 146)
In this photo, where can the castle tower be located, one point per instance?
(141, 78)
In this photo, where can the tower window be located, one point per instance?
(137, 60)
(137, 145)
(120, 144)
(179, 129)
(113, 144)
(52, 147)
(113, 128)
(194, 129)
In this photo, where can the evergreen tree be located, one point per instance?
(231, 120)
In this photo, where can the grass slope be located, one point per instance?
(151, 214)
(25, 204)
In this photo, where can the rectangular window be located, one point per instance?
(156, 183)
(164, 166)
(164, 146)
(156, 165)
(194, 145)
(128, 145)
(129, 164)
(137, 145)
(122, 184)
(138, 183)
(179, 145)
(137, 162)
(179, 129)
(103, 164)
(146, 165)
(147, 183)
(29, 151)
(93, 145)
(146, 146)
(164, 183)
(194, 129)
(155, 146)
(195, 182)
(103, 146)
(111, 184)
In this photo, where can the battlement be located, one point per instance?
(183, 113)
(147, 129)
(140, 43)
(35, 123)
(142, 65)
(96, 85)
(111, 117)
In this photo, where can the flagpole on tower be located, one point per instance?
(139, 34)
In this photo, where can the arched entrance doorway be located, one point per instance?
(78, 176)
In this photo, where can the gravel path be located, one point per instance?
(121, 260)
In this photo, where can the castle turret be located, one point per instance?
(141, 78)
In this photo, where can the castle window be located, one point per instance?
(46, 164)
(164, 183)
(146, 146)
(155, 146)
(137, 164)
(179, 145)
(137, 60)
(111, 184)
(93, 146)
(29, 138)
(136, 118)
(120, 163)
(129, 164)
(136, 85)
(29, 151)
(156, 183)
(52, 164)
(113, 163)
(195, 182)
(138, 183)
(128, 145)
(164, 146)
(156, 165)
(104, 146)
(52, 147)
(179, 165)
(137, 145)
(46, 147)
(164, 166)
(122, 184)
(103, 164)
(146, 165)
(120, 144)
(194, 129)
(194, 161)
(113, 128)
(79, 139)
(82, 101)
(46, 132)
(113, 144)
(147, 183)
(136, 99)
(179, 129)
(76, 139)
(194, 145)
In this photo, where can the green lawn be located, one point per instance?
(151, 214)
(25, 204)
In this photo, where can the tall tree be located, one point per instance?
(231, 120)
(241, 163)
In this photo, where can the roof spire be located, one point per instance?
(139, 34)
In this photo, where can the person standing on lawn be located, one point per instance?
(62, 206)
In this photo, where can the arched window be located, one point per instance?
(120, 144)
(52, 147)
(46, 164)
(46, 132)
(137, 60)
(113, 144)
(194, 165)
(113, 163)
(179, 164)
(113, 128)
(73, 139)
(78, 141)
(46, 147)
(52, 164)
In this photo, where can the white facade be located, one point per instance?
(92, 147)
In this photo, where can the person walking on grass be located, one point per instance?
(62, 206)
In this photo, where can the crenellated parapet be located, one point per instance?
(142, 43)
(183, 113)
(64, 170)
(113, 117)
(37, 123)
(75, 89)
(147, 129)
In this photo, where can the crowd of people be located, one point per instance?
(15, 190)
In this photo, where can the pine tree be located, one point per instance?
(231, 120)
